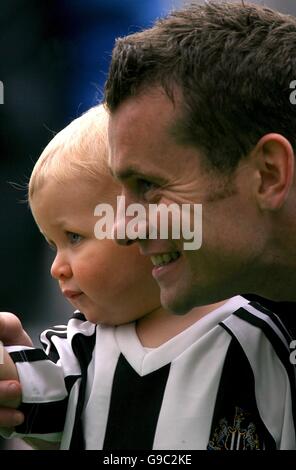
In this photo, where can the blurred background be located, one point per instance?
(54, 60)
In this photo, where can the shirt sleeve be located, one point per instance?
(47, 377)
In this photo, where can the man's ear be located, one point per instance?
(274, 160)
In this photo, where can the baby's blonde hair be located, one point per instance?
(80, 149)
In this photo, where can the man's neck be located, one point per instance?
(160, 325)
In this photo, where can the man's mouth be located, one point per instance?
(164, 259)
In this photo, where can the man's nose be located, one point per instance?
(130, 223)
(120, 233)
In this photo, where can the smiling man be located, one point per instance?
(200, 114)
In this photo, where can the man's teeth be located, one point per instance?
(162, 260)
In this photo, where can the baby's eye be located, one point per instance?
(73, 237)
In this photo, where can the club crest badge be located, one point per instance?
(240, 434)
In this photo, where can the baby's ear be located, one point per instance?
(273, 158)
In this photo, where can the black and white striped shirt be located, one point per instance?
(223, 383)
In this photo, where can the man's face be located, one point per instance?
(153, 168)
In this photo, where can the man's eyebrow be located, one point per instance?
(128, 173)
(121, 175)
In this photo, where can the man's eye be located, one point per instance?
(146, 185)
(74, 238)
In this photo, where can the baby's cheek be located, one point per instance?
(86, 271)
(94, 275)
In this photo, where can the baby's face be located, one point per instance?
(110, 284)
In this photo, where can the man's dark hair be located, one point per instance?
(233, 64)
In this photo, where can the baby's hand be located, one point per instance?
(12, 332)
(10, 398)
